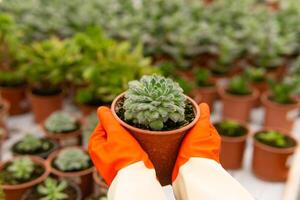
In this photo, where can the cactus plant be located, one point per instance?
(238, 85)
(72, 159)
(21, 168)
(52, 189)
(153, 101)
(29, 143)
(61, 122)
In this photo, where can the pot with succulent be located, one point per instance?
(281, 108)
(75, 164)
(45, 67)
(32, 145)
(64, 128)
(158, 114)
(206, 87)
(20, 174)
(100, 187)
(240, 95)
(233, 138)
(272, 154)
(53, 189)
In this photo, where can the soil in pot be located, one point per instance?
(30, 145)
(279, 116)
(161, 146)
(272, 154)
(233, 142)
(14, 187)
(83, 177)
(45, 102)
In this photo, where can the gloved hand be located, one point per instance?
(202, 141)
(112, 148)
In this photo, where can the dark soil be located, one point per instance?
(290, 101)
(97, 102)
(12, 84)
(238, 93)
(168, 125)
(70, 191)
(289, 142)
(41, 150)
(7, 177)
(234, 132)
(46, 91)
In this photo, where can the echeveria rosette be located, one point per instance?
(154, 100)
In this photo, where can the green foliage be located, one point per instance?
(90, 124)
(21, 168)
(153, 100)
(30, 143)
(281, 92)
(255, 74)
(238, 85)
(60, 122)
(185, 84)
(72, 159)
(52, 189)
(11, 78)
(203, 77)
(273, 138)
(230, 128)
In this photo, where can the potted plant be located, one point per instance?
(4, 107)
(206, 87)
(46, 64)
(239, 95)
(100, 187)
(3, 136)
(233, 138)
(53, 189)
(271, 155)
(64, 128)
(20, 174)
(158, 114)
(280, 105)
(31, 145)
(89, 124)
(73, 163)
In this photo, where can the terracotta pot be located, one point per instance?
(208, 95)
(3, 137)
(161, 146)
(16, 97)
(186, 74)
(4, 107)
(72, 138)
(43, 106)
(78, 195)
(232, 151)
(278, 116)
(86, 109)
(270, 163)
(100, 187)
(15, 192)
(237, 107)
(261, 87)
(276, 72)
(82, 178)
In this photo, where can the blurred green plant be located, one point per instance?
(52, 189)
(281, 92)
(273, 138)
(61, 122)
(238, 85)
(255, 74)
(21, 168)
(203, 77)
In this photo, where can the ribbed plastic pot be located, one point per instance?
(161, 146)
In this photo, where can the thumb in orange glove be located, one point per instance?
(202, 141)
(112, 148)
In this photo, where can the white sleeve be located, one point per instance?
(202, 178)
(136, 182)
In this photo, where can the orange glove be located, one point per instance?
(112, 148)
(202, 141)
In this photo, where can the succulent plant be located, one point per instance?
(30, 143)
(255, 74)
(230, 128)
(154, 100)
(60, 122)
(281, 92)
(238, 85)
(203, 77)
(21, 168)
(52, 189)
(72, 159)
(273, 138)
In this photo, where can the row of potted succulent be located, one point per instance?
(272, 150)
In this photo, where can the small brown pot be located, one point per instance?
(208, 95)
(72, 138)
(16, 97)
(100, 187)
(43, 106)
(270, 163)
(261, 87)
(15, 192)
(161, 146)
(237, 107)
(4, 107)
(232, 151)
(82, 178)
(277, 116)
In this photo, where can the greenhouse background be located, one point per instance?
(60, 60)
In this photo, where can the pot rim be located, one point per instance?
(36, 160)
(59, 173)
(238, 138)
(70, 134)
(32, 95)
(132, 128)
(225, 95)
(267, 102)
(274, 149)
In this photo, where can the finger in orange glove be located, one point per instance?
(112, 148)
(202, 141)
